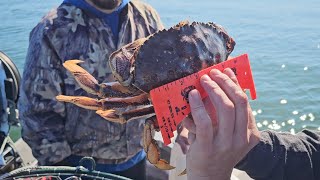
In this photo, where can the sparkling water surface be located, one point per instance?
(282, 39)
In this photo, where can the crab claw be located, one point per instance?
(152, 149)
(163, 164)
(85, 80)
(111, 115)
(81, 101)
(184, 172)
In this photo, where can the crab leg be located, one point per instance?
(81, 101)
(114, 109)
(145, 111)
(107, 103)
(117, 115)
(115, 89)
(151, 147)
(87, 82)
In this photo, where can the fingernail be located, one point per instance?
(215, 72)
(205, 77)
(226, 69)
(194, 94)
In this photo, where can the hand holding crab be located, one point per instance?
(223, 128)
(145, 64)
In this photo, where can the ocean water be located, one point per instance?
(282, 39)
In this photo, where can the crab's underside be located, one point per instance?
(145, 64)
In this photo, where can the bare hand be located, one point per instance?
(223, 128)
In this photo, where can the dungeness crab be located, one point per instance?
(148, 63)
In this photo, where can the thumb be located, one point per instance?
(183, 142)
(204, 129)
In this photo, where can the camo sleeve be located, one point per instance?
(150, 15)
(155, 19)
(42, 117)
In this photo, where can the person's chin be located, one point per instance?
(107, 6)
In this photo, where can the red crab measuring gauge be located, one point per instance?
(171, 103)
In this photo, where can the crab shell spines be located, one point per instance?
(172, 54)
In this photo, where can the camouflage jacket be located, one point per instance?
(55, 130)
